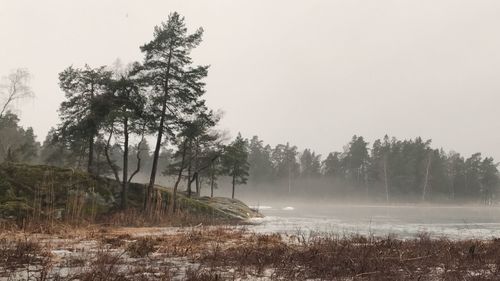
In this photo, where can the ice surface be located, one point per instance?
(453, 222)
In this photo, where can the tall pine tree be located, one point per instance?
(175, 85)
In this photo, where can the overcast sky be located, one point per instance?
(310, 72)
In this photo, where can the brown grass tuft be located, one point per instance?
(142, 247)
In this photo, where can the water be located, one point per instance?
(453, 222)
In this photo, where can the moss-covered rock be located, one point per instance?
(230, 207)
(47, 191)
(213, 207)
(39, 190)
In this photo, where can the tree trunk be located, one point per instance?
(7, 102)
(179, 177)
(212, 181)
(197, 183)
(156, 155)
(125, 164)
(139, 160)
(452, 188)
(108, 158)
(154, 168)
(386, 180)
(97, 164)
(189, 181)
(426, 178)
(234, 183)
(365, 180)
(289, 179)
(90, 155)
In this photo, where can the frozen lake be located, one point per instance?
(454, 222)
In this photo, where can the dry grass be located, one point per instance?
(116, 241)
(23, 255)
(105, 266)
(229, 253)
(118, 220)
(330, 257)
(142, 247)
(200, 274)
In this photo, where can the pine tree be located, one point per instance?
(310, 164)
(259, 159)
(17, 144)
(86, 106)
(126, 117)
(235, 162)
(198, 148)
(332, 166)
(175, 85)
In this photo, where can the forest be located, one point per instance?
(150, 118)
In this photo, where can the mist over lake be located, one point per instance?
(454, 222)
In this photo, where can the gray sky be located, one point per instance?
(310, 72)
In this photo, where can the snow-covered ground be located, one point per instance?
(453, 222)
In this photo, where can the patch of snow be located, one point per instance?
(260, 207)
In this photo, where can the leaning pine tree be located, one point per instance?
(175, 85)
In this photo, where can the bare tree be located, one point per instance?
(14, 87)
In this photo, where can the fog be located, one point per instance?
(313, 73)
(318, 208)
(323, 213)
(453, 222)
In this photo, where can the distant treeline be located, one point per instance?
(387, 170)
